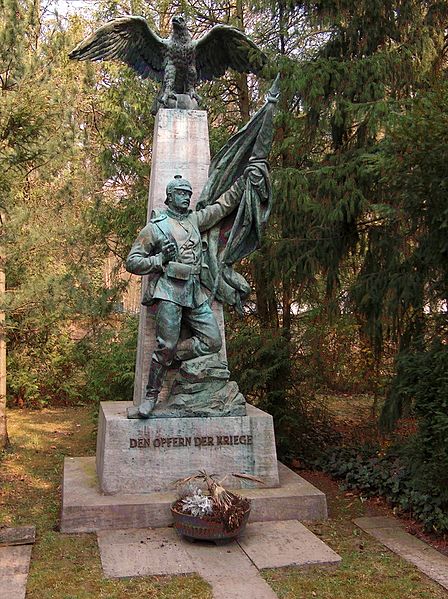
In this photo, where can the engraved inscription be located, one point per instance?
(172, 442)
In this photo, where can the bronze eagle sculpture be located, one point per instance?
(179, 61)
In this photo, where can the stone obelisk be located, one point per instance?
(180, 146)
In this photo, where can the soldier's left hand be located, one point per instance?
(168, 251)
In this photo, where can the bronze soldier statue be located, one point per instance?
(185, 252)
(169, 250)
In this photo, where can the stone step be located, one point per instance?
(85, 509)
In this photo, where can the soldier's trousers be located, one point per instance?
(205, 339)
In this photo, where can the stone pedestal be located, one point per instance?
(146, 456)
(86, 509)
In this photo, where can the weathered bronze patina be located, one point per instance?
(179, 61)
(187, 252)
(169, 250)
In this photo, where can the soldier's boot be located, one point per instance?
(155, 381)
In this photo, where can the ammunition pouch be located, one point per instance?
(178, 270)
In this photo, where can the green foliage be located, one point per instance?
(260, 362)
(55, 369)
(390, 474)
(46, 371)
(403, 283)
(50, 177)
(421, 386)
(110, 369)
(359, 223)
(124, 139)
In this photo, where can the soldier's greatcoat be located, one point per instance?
(178, 281)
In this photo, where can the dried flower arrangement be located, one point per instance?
(222, 514)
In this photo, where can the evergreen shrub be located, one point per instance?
(260, 362)
(110, 369)
(390, 474)
(45, 371)
(56, 369)
(421, 387)
(412, 475)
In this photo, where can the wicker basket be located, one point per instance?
(195, 527)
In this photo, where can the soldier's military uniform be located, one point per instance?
(176, 286)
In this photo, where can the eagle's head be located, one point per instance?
(179, 23)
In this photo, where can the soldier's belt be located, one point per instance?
(178, 270)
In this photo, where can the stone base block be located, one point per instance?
(147, 456)
(86, 509)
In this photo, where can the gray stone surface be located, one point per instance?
(423, 556)
(143, 552)
(19, 535)
(136, 456)
(285, 543)
(229, 571)
(296, 498)
(180, 146)
(14, 567)
(232, 570)
(373, 522)
(86, 509)
(155, 552)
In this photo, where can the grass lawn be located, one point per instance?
(68, 566)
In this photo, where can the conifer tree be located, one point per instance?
(338, 245)
(48, 179)
(11, 35)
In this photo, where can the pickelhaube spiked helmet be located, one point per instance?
(178, 183)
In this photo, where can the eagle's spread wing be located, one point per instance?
(225, 47)
(128, 39)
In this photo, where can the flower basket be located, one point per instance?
(206, 529)
(217, 515)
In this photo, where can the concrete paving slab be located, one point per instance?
(159, 551)
(374, 522)
(86, 509)
(229, 571)
(142, 552)
(17, 535)
(423, 556)
(285, 543)
(14, 567)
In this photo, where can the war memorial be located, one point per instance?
(203, 217)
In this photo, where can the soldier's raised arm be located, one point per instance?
(211, 215)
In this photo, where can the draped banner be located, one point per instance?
(244, 155)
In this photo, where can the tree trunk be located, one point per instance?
(241, 78)
(266, 298)
(3, 430)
